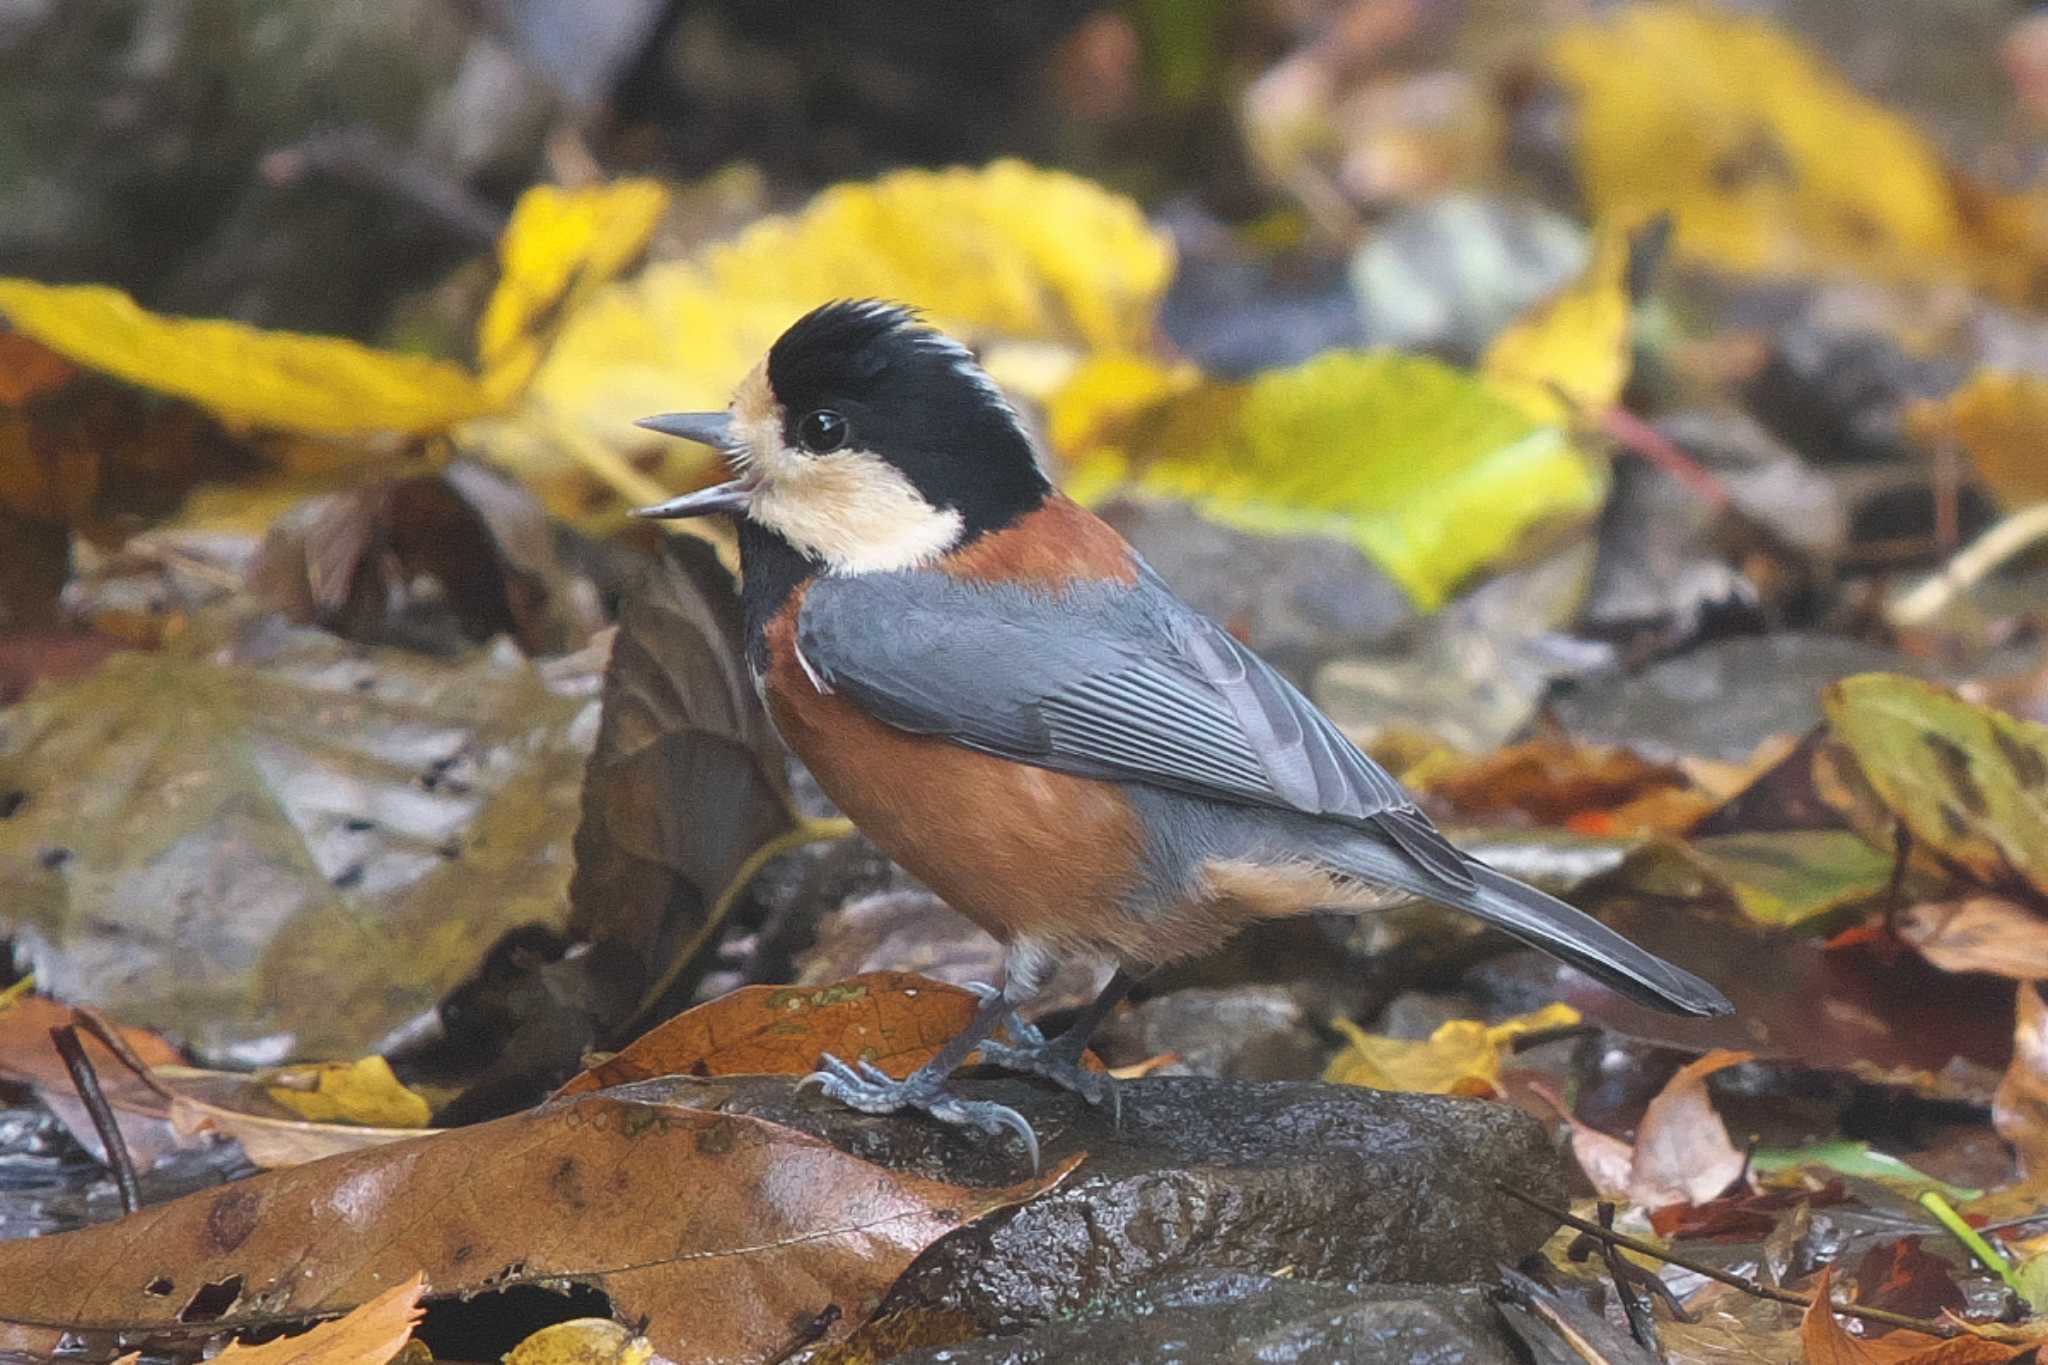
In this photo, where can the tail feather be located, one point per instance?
(1541, 921)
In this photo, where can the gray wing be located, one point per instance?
(1102, 681)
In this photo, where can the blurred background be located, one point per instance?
(1567, 394)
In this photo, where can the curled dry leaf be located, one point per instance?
(230, 1104)
(1683, 1154)
(895, 1020)
(369, 1335)
(1979, 934)
(730, 1236)
(2020, 1108)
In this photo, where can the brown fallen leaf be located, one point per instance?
(2020, 1108)
(1979, 934)
(228, 1104)
(370, 1335)
(895, 1020)
(1905, 1277)
(1683, 1154)
(29, 1057)
(733, 1238)
(1827, 1342)
(1553, 781)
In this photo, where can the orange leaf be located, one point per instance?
(896, 1020)
(370, 1335)
(1827, 1342)
(28, 369)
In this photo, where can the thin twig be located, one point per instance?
(1640, 438)
(1997, 546)
(1932, 1326)
(1642, 1324)
(87, 1082)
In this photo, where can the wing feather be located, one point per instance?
(1108, 681)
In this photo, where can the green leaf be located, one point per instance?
(1861, 1160)
(1427, 469)
(1967, 781)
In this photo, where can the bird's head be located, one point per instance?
(868, 441)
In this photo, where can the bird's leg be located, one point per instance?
(868, 1088)
(1059, 1059)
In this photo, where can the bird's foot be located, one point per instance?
(871, 1090)
(1056, 1060)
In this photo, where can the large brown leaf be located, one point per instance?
(735, 1239)
(284, 845)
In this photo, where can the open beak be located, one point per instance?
(713, 429)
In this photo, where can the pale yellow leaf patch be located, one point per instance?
(1567, 358)
(582, 1341)
(2001, 421)
(361, 1092)
(1463, 1056)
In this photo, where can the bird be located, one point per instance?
(998, 690)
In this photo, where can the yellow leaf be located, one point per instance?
(1770, 161)
(1006, 253)
(1425, 468)
(582, 1341)
(559, 247)
(286, 380)
(2001, 420)
(363, 1092)
(1569, 356)
(1463, 1056)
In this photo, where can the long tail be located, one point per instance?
(1542, 921)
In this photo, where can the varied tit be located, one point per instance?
(1005, 697)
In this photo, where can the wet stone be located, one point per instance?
(1227, 1317)
(1321, 1182)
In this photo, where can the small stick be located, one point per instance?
(87, 1082)
(1642, 1324)
(1932, 1326)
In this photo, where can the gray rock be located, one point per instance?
(1323, 1182)
(1298, 600)
(1240, 1317)
(1722, 699)
(1246, 1033)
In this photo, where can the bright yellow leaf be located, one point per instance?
(1427, 469)
(1568, 357)
(1007, 253)
(583, 1341)
(1463, 1056)
(363, 1092)
(285, 380)
(558, 248)
(1769, 160)
(2001, 421)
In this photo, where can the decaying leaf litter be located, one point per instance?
(1632, 419)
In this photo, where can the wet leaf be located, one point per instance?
(1683, 1154)
(29, 1057)
(688, 779)
(1795, 877)
(1969, 782)
(895, 1020)
(1827, 1342)
(583, 1341)
(359, 1092)
(731, 1237)
(1428, 470)
(1979, 934)
(1463, 1056)
(284, 846)
(2001, 421)
(1906, 1278)
(1769, 161)
(1552, 781)
(369, 1335)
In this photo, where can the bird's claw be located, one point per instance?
(1033, 1056)
(866, 1087)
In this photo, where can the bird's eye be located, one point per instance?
(821, 431)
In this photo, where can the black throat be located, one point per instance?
(771, 570)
